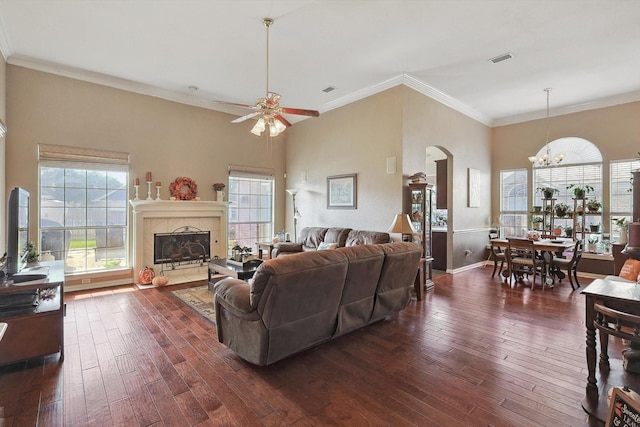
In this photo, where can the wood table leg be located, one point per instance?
(419, 283)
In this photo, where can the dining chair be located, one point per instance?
(620, 324)
(499, 257)
(570, 264)
(522, 260)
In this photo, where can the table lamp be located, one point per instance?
(402, 225)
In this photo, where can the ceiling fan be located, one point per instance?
(268, 109)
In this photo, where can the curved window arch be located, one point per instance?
(576, 150)
(581, 166)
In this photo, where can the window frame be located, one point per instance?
(255, 203)
(519, 224)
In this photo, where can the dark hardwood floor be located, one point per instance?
(474, 352)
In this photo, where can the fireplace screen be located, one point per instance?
(182, 248)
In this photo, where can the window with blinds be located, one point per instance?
(83, 207)
(621, 196)
(560, 177)
(513, 203)
(251, 204)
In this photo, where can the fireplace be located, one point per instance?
(160, 218)
(182, 248)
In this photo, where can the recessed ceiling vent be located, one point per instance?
(328, 89)
(501, 58)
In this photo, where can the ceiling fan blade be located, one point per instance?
(253, 107)
(245, 117)
(283, 120)
(300, 112)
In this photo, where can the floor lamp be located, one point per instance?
(296, 214)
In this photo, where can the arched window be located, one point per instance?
(581, 166)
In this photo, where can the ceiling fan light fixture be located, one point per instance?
(279, 125)
(275, 127)
(259, 127)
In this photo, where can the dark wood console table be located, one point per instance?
(33, 330)
(620, 296)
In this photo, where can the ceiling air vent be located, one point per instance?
(328, 89)
(501, 58)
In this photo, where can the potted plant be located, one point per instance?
(580, 191)
(594, 228)
(548, 192)
(568, 231)
(569, 213)
(561, 210)
(591, 246)
(537, 220)
(593, 206)
(32, 253)
(537, 208)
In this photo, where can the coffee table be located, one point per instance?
(223, 267)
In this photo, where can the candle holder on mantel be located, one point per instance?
(149, 190)
(137, 187)
(158, 187)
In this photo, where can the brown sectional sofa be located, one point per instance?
(312, 237)
(297, 302)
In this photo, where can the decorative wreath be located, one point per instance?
(183, 188)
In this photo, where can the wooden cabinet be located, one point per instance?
(34, 317)
(420, 198)
(441, 184)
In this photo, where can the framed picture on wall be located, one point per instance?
(342, 191)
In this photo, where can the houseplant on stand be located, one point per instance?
(580, 191)
(547, 192)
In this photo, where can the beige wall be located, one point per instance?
(359, 137)
(3, 116)
(468, 144)
(356, 138)
(166, 138)
(614, 130)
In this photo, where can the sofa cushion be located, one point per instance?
(337, 235)
(327, 246)
(363, 237)
(311, 237)
(630, 270)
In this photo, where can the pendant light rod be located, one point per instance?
(267, 23)
(546, 159)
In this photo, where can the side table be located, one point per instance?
(268, 246)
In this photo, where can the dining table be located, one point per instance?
(547, 248)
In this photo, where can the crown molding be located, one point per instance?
(361, 94)
(114, 82)
(445, 99)
(609, 101)
(5, 44)
(403, 78)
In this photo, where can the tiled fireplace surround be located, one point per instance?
(162, 216)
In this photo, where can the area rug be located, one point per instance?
(199, 299)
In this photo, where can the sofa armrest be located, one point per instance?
(285, 247)
(234, 295)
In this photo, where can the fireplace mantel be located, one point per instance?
(165, 216)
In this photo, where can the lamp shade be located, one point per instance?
(401, 224)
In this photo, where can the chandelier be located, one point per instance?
(547, 159)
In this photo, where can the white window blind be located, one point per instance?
(513, 202)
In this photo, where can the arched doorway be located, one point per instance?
(437, 162)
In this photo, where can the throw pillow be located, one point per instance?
(327, 246)
(630, 270)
